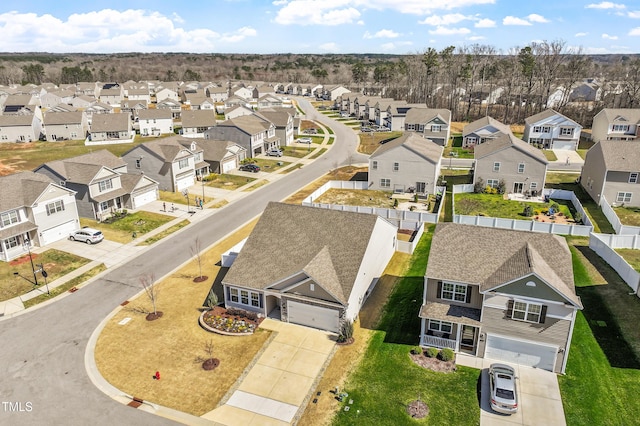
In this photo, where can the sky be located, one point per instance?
(315, 26)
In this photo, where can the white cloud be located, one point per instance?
(534, 17)
(381, 34)
(330, 47)
(605, 5)
(419, 7)
(307, 12)
(449, 31)
(512, 20)
(279, 2)
(635, 32)
(452, 18)
(635, 14)
(581, 34)
(476, 38)
(485, 23)
(609, 37)
(239, 35)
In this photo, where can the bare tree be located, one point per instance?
(196, 252)
(147, 282)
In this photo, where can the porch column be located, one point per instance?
(458, 336)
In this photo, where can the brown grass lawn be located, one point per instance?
(343, 173)
(370, 141)
(356, 197)
(178, 198)
(128, 355)
(228, 181)
(628, 215)
(631, 256)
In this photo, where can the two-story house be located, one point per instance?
(512, 298)
(431, 123)
(155, 122)
(110, 128)
(217, 94)
(611, 170)
(166, 161)
(253, 133)
(166, 93)
(616, 124)
(408, 163)
(34, 211)
(381, 109)
(482, 130)
(172, 105)
(268, 101)
(195, 123)
(20, 128)
(396, 115)
(551, 130)
(282, 118)
(60, 126)
(360, 106)
(520, 166)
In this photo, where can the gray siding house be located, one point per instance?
(434, 124)
(60, 126)
(522, 167)
(409, 163)
(616, 124)
(110, 128)
(482, 130)
(612, 170)
(512, 298)
(255, 134)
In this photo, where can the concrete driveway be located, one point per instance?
(279, 383)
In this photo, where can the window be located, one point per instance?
(396, 167)
(11, 242)
(566, 131)
(245, 297)
(105, 185)
(455, 292)
(521, 168)
(496, 167)
(233, 295)
(113, 135)
(138, 163)
(623, 197)
(183, 163)
(255, 299)
(436, 128)
(440, 326)
(9, 218)
(55, 207)
(620, 128)
(385, 183)
(524, 311)
(471, 140)
(493, 183)
(633, 177)
(104, 206)
(411, 127)
(541, 129)
(533, 185)
(374, 165)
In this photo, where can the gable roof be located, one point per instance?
(150, 114)
(508, 141)
(110, 122)
(424, 115)
(22, 189)
(486, 121)
(55, 118)
(425, 148)
(500, 256)
(548, 113)
(619, 156)
(83, 168)
(631, 115)
(250, 124)
(168, 149)
(213, 149)
(327, 245)
(198, 118)
(280, 117)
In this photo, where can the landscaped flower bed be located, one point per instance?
(229, 322)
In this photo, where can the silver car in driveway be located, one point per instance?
(87, 235)
(504, 394)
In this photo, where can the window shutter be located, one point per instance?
(510, 309)
(468, 296)
(543, 314)
(439, 289)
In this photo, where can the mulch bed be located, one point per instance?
(210, 364)
(347, 342)
(417, 409)
(232, 313)
(434, 364)
(200, 279)
(152, 316)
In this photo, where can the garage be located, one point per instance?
(57, 233)
(313, 316)
(140, 200)
(521, 352)
(566, 145)
(184, 182)
(227, 166)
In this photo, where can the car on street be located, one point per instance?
(304, 140)
(504, 394)
(274, 152)
(87, 235)
(253, 168)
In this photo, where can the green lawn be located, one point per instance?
(459, 152)
(494, 205)
(165, 233)
(121, 230)
(602, 379)
(56, 263)
(226, 181)
(386, 381)
(628, 215)
(549, 154)
(268, 165)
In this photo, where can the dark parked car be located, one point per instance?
(250, 168)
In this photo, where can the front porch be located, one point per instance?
(450, 326)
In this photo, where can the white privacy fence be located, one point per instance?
(410, 246)
(615, 221)
(527, 225)
(605, 244)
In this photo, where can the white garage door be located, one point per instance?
(144, 198)
(185, 182)
(564, 145)
(521, 352)
(227, 166)
(59, 232)
(313, 316)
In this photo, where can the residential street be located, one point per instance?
(42, 360)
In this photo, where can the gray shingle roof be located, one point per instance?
(213, 149)
(21, 189)
(424, 115)
(486, 121)
(198, 118)
(168, 149)
(426, 148)
(507, 141)
(55, 118)
(16, 120)
(497, 256)
(150, 114)
(110, 122)
(250, 124)
(631, 115)
(620, 156)
(328, 245)
(83, 168)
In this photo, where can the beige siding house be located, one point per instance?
(111, 128)
(515, 302)
(616, 124)
(522, 167)
(612, 170)
(482, 130)
(434, 124)
(59, 126)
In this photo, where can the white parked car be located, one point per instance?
(274, 152)
(504, 395)
(304, 140)
(87, 235)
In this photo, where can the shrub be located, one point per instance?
(502, 186)
(415, 198)
(577, 217)
(479, 187)
(395, 202)
(432, 352)
(346, 331)
(212, 299)
(446, 354)
(416, 350)
(528, 211)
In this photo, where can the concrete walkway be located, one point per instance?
(279, 383)
(540, 400)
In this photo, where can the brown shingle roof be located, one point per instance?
(507, 141)
(426, 148)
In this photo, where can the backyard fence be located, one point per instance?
(526, 225)
(410, 246)
(605, 244)
(615, 221)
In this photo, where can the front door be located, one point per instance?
(518, 187)
(421, 187)
(468, 339)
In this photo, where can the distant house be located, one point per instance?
(172, 105)
(551, 130)
(51, 99)
(263, 90)
(381, 109)
(133, 107)
(110, 128)
(253, 133)
(268, 101)
(155, 122)
(217, 94)
(241, 92)
(20, 128)
(361, 106)
(236, 100)
(195, 123)
(34, 211)
(221, 156)
(434, 124)
(166, 93)
(237, 111)
(396, 114)
(333, 92)
(97, 108)
(617, 124)
(515, 303)
(198, 101)
(112, 95)
(282, 118)
(324, 281)
(139, 94)
(59, 126)
(83, 101)
(520, 166)
(611, 170)
(482, 130)
(409, 163)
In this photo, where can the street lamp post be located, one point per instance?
(35, 271)
(27, 242)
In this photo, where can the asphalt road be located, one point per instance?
(43, 379)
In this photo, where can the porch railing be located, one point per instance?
(437, 342)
